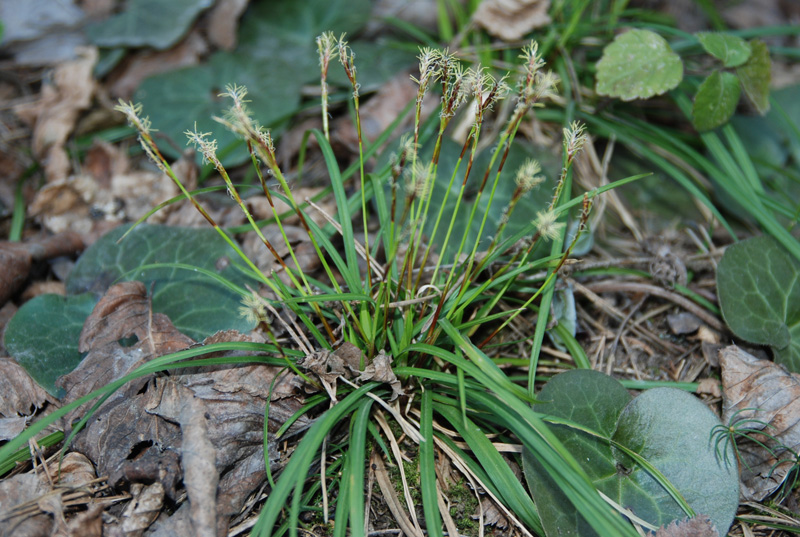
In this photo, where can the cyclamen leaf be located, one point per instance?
(729, 49)
(43, 336)
(637, 65)
(755, 76)
(667, 427)
(144, 23)
(715, 101)
(759, 293)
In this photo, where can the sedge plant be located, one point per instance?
(410, 311)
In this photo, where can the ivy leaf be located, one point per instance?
(755, 76)
(43, 336)
(715, 101)
(152, 23)
(759, 293)
(667, 427)
(731, 50)
(637, 65)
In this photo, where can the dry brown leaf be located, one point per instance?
(20, 396)
(223, 21)
(492, 516)
(699, 526)
(511, 20)
(17, 258)
(380, 370)
(88, 523)
(764, 396)
(54, 115)
(63, 204)
(200, 476)
(17, 490)
(74, 470)
(124, 311)
(143, 509)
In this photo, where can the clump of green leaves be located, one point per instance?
(639, 64)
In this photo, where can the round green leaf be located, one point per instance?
(669, 428)
(43, 336)
(152, 23)
(756, 75)
(637, 65)
(731, 50)
(177, 101)
(758, 285)
(715, 101)
(197, 304)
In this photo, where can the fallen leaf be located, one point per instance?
(144, 508)
(492, 516)
(223, 21)
(380, 370)
(763, 396)
(19, 394)
(709, 387)
(54, 116)
(698, 526)
(16, 259)
(511, 20)
(303, 249)
(16, 490)
(124, 311)
(87, 523)
(74, 470)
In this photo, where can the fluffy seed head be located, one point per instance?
(527, 177)
(574, 138)
(547, 226)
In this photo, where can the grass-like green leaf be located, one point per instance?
(715, 101)
(731, 50)
(668, 430)
(427, 468)
(759, 294)
(637, 65)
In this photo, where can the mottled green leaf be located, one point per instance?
(637, 65)
(197, 304)
(276, 56)
(756, 75)
(148, 23)
(715, 101)
(667, 427)
(731, 50)
(43, 336)
(758, 285)
(531, 202)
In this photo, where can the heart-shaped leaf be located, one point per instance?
(197, 305)
(637, 65)
(731, 50)
(152, 23)
(43, 336)
(756, 75)
(667, 427)
(276, 56)
(715, 101)
(758, 285)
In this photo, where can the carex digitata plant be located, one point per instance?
(410, 311)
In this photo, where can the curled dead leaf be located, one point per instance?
(54, 115)
(511, 20)
(762, 396)
(380, 370)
